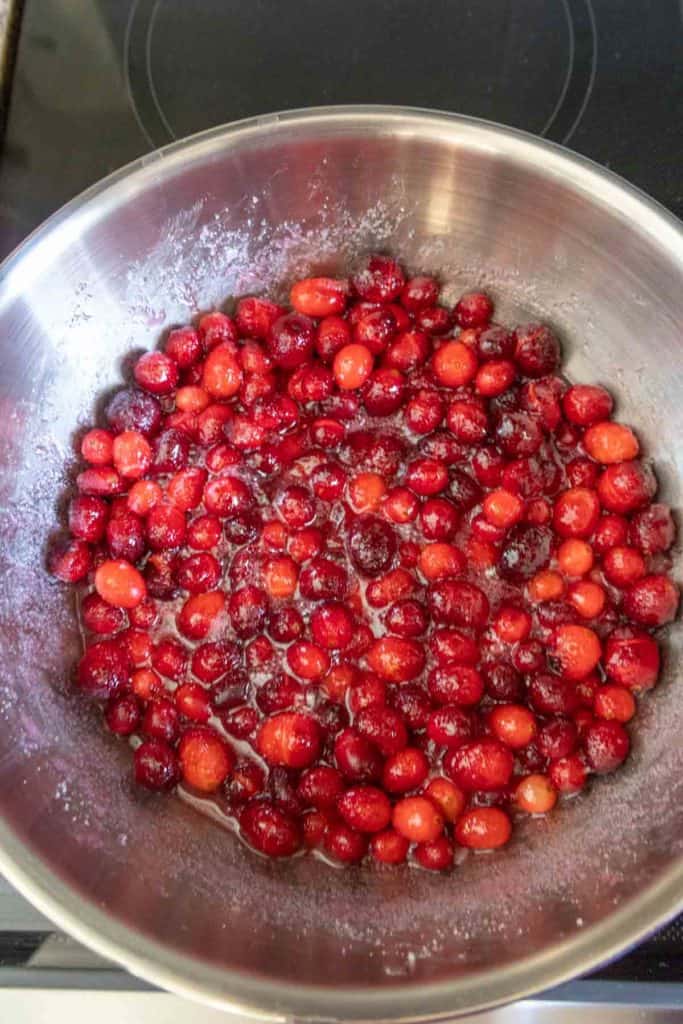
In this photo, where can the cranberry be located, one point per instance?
(122, 714)
(552, 695)
(484, 765)
(652, 529)
(585, 404)
(254, 317)
(457, 603)
(606, 745)
(103, 671)
(503, 682)
(156, 765)
(413, 704)
(131, 409)
(632, 659)
(269, 829)
(537, 350)
(160, 720)
(473, 310)
(100, 617)
(345, 844)
(380, 279)
(434, 320)
(247, 609)
(323, 579)
(468, 421)
(88, 517)
(652, 601)
(626, 487)
(384, 392)
(372, 545)
(456, 684)
(70, 560)
(357, 758)
(450, 726)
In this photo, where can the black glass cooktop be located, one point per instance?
(99, 82)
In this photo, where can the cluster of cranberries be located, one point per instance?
(369, 575)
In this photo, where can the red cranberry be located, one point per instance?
(380, 279)
(159, 574)
(436, 855)
(365, 808)
(409, 350)
(156, 765)
(457, 603)
(122, 714)
(165, 527)
(450, 726)
(424, 412)
(88, 517)
(320, 787)
(484, 765)
(406, 618)
(557, 738)
(254, 317)
(552, 695)
(456, 684)
(585, 404)
(131, 409)
(160, 720)
(525, 551)
(198, 573)
(357, 758)
(103, 670)
(468, 421)
(240, 722)
(537, 350)
(503, 682)
(169, 658)
(449, 645)
(269, 829)
(496, 343)
(473, 310)
(322, 579)
(100, 617)
(375, 330)
(413, 704)
(384, 392)
(70, 560)
(372, 545)
(171, 452)
(419, 293)
(652, 529)
(606, 745)
(332, 334)
(434, 320)
(291, 339)
(626, 487)
(652, 601)
(156, 372)
(345, 844)
(247, 609)
(464, 491)
(126, 536)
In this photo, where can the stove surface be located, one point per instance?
(100, 82)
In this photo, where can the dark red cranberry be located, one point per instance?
(88, 517)
(160, 720)
(345, 844)
(503, 682)
(372, 545)
(159, 572)
(473, 310)
(455, 684)
(496, 343)
(103, 671)
(380, 279)
(156, 765)
(198, 573)
(126, 536)
(468, 421)
(557, 738)
(458, 603)
(246, 781)
(211, 661)
(450, 726)
(606, 745)
(132, 409)
(384, 727)
(419, 293)
(242, 527)
(122, 714)
(357, 758)
(269, 829)
(453, 645)
(406, 618)
(518, 434)
(291, 339)
(652, 530)
(464, 491)
(171, 452)
(552, 695)
(384, 392)
(413, 704)
(322, 579)
(70, 560)
(526, 550)
(240, 722)
(375, 330)
(169, 658)
(100, 617)
(537, 350)
(483, 765)
(528, 656)
(247, 608)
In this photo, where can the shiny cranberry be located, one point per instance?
(125, 535)
(380, 279)
(322, 579)
(211, 661)
(525, 551)
(503, 682)
(160, 720)
(468, 421)
(552, 695)
(484, 765)
(132, 409)
(122, 714)
(159, 573)
(269, 829)
(450, 726)
(537, 350)
(652, 530)
(606, 745)
(156, 765)
(88, 517)
(413, 704)
(356, 757)
(473, 310)
(424, 412)
(103, 671)
(70, 560)
(372, 545)
(384, 392)
(557, 738)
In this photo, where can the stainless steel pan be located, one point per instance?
(148, 882)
